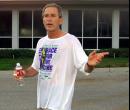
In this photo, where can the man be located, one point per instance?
(58, 57)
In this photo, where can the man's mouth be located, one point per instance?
(49, 24)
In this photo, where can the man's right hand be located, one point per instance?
(19, 74)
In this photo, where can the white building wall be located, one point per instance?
(15, 29)
(65, 26)
(115, 28)
(65, 23)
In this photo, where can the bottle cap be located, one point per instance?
(18, 64)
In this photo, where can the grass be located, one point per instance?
(114, 62)
(9, 64)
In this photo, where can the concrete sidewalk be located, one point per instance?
(104, 89)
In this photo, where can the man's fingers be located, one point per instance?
(105, 53)
(93, 53)
(101, 55)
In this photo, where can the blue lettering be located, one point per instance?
(47, 61)
(51, 50)
(47, 67)
(49, 56)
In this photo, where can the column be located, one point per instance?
(15, 29)
(115, 28)
(65, 23)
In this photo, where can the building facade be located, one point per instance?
(98, 24)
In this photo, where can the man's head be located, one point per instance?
(59, 8)
(52, 16)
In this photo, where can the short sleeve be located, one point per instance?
(36, 63)
(79, 55)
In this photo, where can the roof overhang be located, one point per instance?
(63, 2)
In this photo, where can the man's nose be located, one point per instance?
(49, 18)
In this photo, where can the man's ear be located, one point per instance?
(61, 21)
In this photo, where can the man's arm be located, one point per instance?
(94, 59)
(89, 68)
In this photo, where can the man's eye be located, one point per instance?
(45, 15)
(53, 15)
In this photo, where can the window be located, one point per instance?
(104, 43)
(90, 23)
(35, 40)
(92, 27)
(124, 29)
(25, 43)
(25, 29)
(5, 29)
(75, 22)
(25, 23)
(39, 29)
(5, 23)
(5, 42)
(124, 24)
(89, 43)
(31, 28)
(124, 43)
(105, 24)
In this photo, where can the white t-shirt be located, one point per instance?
(57, 61)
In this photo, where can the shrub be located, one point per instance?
(16, 53)
(122, 52)
(29, 53)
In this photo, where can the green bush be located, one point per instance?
(122, 52)
(29, 53)
(6, 53)
(16, 53)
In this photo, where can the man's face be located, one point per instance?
(51, 19)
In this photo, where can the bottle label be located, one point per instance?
(19, 73)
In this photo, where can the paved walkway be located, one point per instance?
(104, 89)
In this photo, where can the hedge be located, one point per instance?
(122, 52)
(16, 53)
(29, 53)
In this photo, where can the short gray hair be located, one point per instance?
(59, 8)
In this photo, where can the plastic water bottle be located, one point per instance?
(19, 75)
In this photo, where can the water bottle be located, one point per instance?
(19, 75)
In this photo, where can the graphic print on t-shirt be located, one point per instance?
(46, 54)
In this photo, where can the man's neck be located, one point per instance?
(56, 34)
